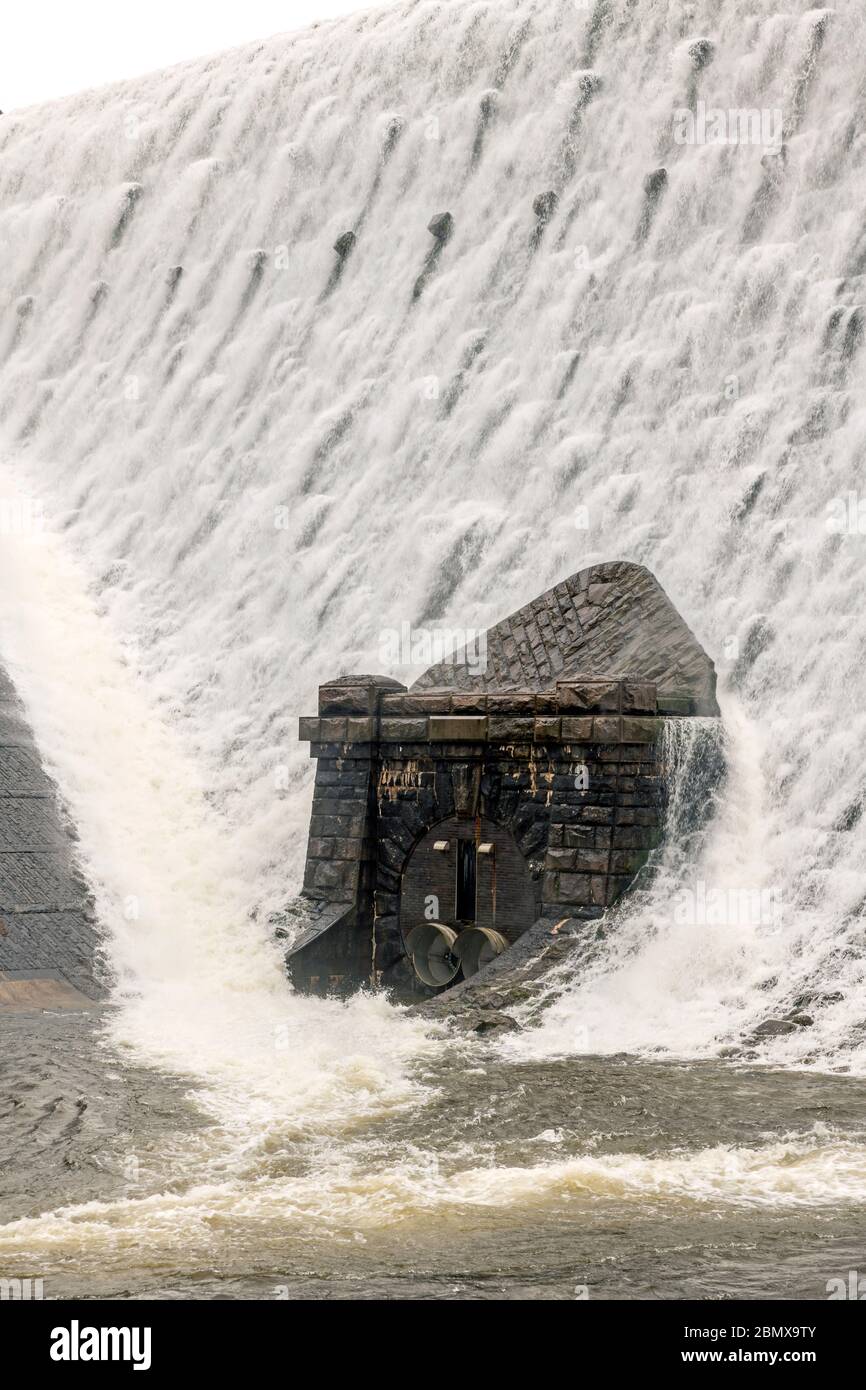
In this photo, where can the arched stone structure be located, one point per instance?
(542, 741)
(466, 872)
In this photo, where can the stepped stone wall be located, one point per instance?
(48, 938)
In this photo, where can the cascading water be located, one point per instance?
(254, 455)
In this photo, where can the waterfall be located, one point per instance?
(255, 454)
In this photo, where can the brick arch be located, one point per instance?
(507, 893)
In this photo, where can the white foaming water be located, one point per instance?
(202, 987)
(716, 935)
(353, 1200)
(258, 477)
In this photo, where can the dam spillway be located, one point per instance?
(276, 408)
(261, 476)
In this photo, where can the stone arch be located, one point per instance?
(506, 894)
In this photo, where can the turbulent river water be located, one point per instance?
(227, 470)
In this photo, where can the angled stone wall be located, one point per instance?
(612, 619)
(47, 931)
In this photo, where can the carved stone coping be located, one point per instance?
(608, 709)
(580, 695)
(502, 729)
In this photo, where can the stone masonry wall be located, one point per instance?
(47, 929)
(574, 774)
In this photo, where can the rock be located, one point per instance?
(393, 127)
(654, 186)
(441, 226)
(487, 103)
(492, 1021)
(344, 244)
(588, 85)
(774, 1027)
(701, 53)
(132, 194)
(801, 1020)
(544, 205)
(490, 999)
(655, 182)
(775, 161)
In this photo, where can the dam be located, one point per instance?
(268, 414)
(449, 818)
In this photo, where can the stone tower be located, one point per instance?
(520, 780)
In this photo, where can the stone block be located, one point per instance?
(347, 849)
(576, 730)
(349, 824)
(627, 861)
(511, 703)
(547, 730)
(573, 888)
(638, 697)
(328, 875)
(407, 703)
(361, 729)
(561, 859)
(347, 699)
(465, 702)
(635, 837)
(320, 848)
(590, 861)
(600, 594)
(590, 696)
(332, 730)
(605, 729)
(391, 854)
(616, 886)
(674, 704)
(579, 836)
(596, 815)
(308, 729)
(504, 728)
(403, 730)
(636, 729)
(457, 728)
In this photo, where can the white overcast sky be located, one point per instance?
(49, 48)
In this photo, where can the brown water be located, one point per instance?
(607, 1178)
